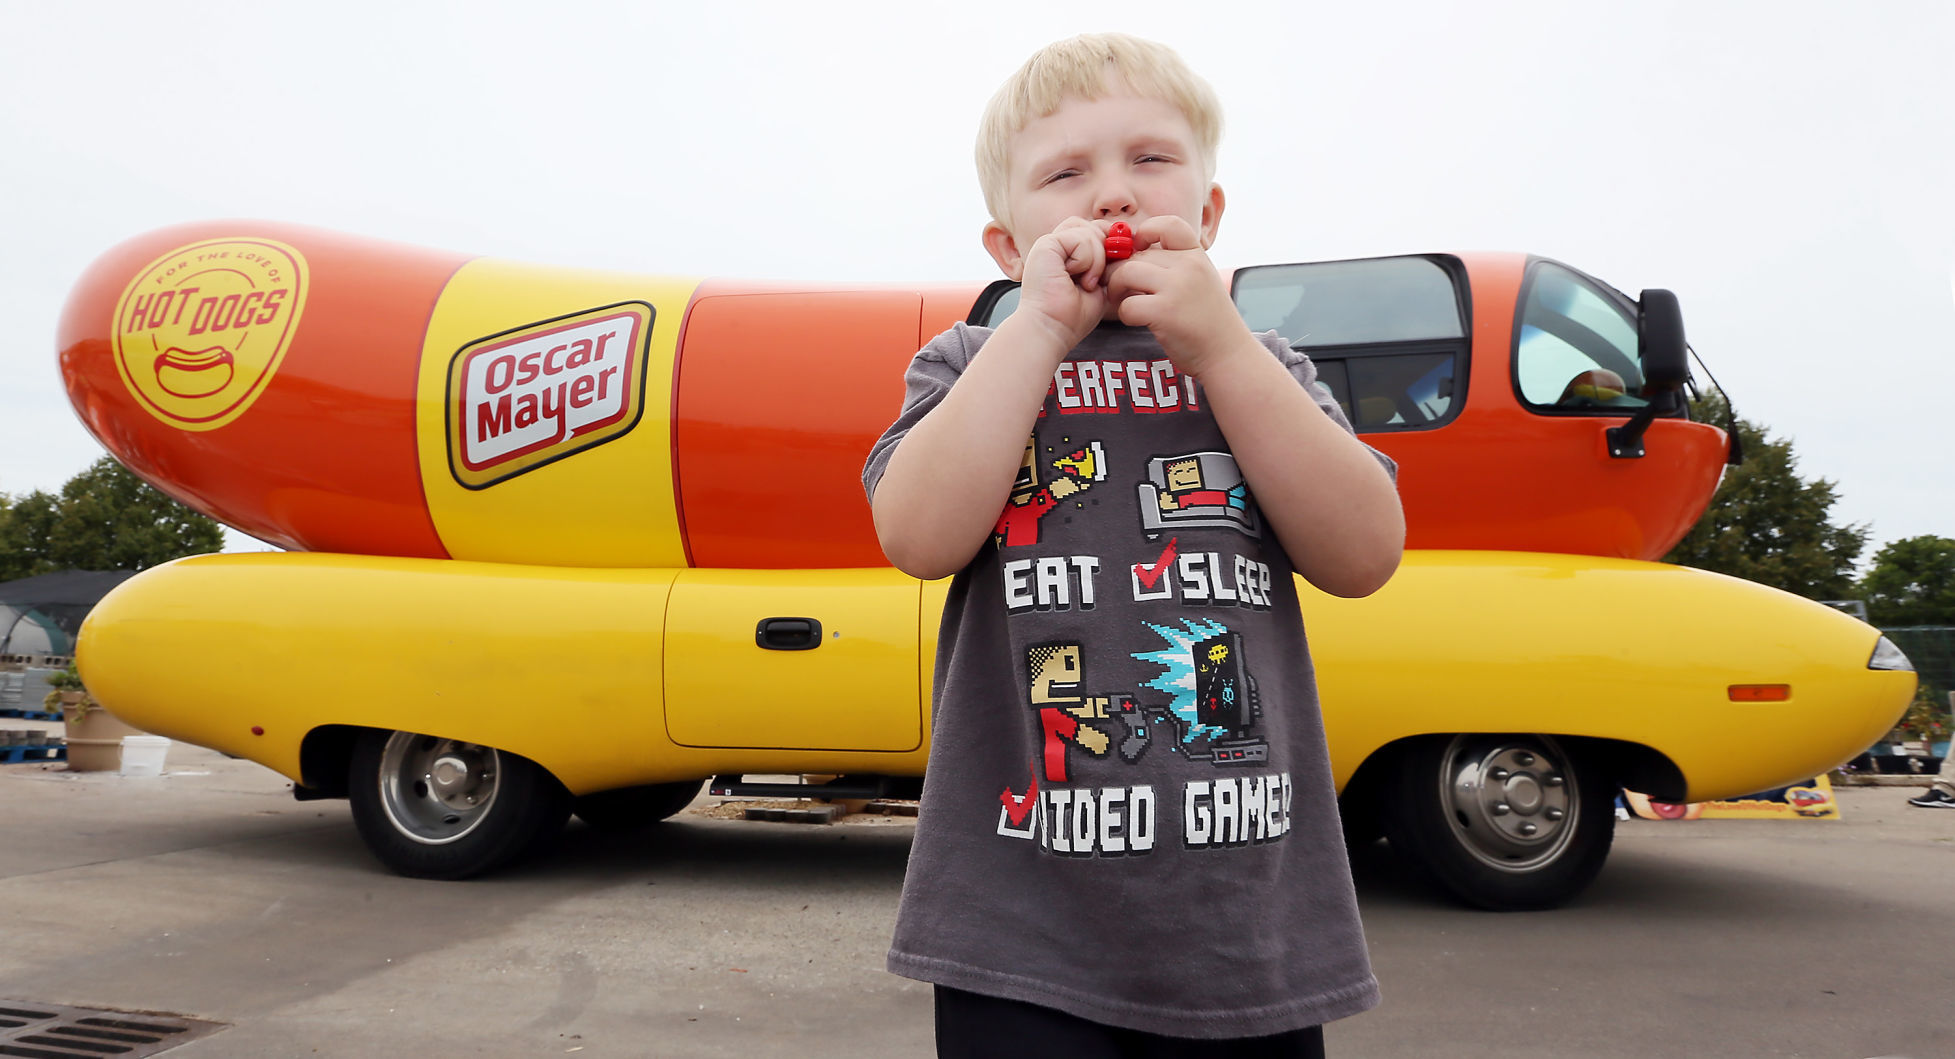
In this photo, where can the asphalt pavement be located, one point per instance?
(208, 892)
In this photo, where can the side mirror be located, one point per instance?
(1666, 366)
(1660, 342)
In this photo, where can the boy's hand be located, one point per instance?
(1064, 280)
(1171, 288)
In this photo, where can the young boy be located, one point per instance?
(1130, 835)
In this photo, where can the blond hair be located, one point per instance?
(1083, 67)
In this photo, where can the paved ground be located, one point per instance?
(209, 892)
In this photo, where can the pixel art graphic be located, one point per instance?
(1057, 673)
(1076, 469)
(1213, 708)
(1202, 489)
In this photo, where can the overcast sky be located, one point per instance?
(1785, 167)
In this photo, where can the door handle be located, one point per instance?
(788, 634)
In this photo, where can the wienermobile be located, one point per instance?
(567, 540)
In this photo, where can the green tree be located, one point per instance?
(26, 524)
(1767, 524)
(1912, 583)
(105, 519)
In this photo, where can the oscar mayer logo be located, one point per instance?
(200, 330)
(520, 399)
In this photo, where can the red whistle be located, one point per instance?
(1119, 242)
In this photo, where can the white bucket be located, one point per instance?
(142, 755)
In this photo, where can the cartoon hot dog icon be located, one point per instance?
(182, 373)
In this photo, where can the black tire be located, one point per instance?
(1502, 822)
(635, 808)
(1360, 811)
(433, 808)
(1362, 825)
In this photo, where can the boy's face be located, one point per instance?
(1120, 157)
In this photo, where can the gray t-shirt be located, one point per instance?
(1129, 812)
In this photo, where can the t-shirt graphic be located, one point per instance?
(1129, 813)
(1030, 500)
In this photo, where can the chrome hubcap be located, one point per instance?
(1508, 800)
(437, 790)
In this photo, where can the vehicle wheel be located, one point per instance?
(435, 808)
(1503, 822)
(632, 808)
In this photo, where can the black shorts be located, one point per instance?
(974, 1026)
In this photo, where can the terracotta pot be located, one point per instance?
(95, 739)
(71, 698)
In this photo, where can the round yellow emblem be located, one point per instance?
(201, 329)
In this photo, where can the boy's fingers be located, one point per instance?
(1078, 259)
(1137, 310)
(1134, 276)
(1168, 233)
(1083, 258)
(1120, 282)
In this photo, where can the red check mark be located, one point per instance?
(1018, 807)
(1150, 575)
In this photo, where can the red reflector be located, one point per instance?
(1760, 692)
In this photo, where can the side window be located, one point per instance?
(1575, 350)
(1390, 391)
(998, 301)
(1388, 335)
(1335, 379)
(1349, 303)
(1403, 391)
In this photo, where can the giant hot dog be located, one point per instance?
(331, 393)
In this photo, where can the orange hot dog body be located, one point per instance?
(781, 395)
